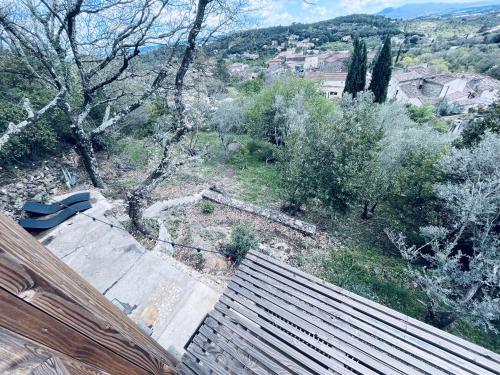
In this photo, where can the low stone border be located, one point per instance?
(277, 216)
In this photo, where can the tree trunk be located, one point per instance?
(135, 203)
(364, 215)
(86, 151)
(372, 209)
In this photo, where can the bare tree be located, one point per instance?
(82, 49)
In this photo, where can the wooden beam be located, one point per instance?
(33, 274)
(21, 355)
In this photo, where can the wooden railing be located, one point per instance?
(54, 322)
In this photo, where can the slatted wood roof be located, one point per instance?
(275, 319)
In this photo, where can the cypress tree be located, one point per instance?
(356, 76)
(382, 72)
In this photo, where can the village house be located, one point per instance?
(289, 60)
(417, 85)
(332, 84)
(242, 70)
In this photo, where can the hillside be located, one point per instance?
(320, 33)
(412, 11)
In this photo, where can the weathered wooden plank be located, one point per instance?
(319, 344)
(293, 360)
(336, 318)
(234, 364)
(379, 328)
(291, 345)
(36, 275)
(208, 359)
(451, 342)
(22, 318)
(247, 365)
(18, 352)
(257, 349)
(52, 366)
(348, 341)
(448, 351)
(190, 361)
(277, 216)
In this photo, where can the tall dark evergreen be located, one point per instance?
(356, 76)
(382, 72)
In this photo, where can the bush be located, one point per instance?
(207, 207)
(268, 117)
(243, 239)
(262, 150)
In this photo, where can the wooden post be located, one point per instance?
(45, 303)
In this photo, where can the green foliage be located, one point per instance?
(327, 160)
(463, 252)
(356, 76)
(379, 278)
(267, 117)
(221, 72)
(207, 207)
(446, 108)
(39, 140)
(473, 133)
(252, 86)
(382, 72)
(422, 114)
(242, 240)
(262, 150)
(323, 32)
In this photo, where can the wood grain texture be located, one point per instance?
(19, 355)
(32, 273)
(275, 319)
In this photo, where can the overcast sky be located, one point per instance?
(284, 12)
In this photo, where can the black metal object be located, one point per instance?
(47, 209)
(41, 224)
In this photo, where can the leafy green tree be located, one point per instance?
(356, 76)
(382, 72)
(460, 276)
(221, 72)
(473, 133)
(328, 159)
(265, 118)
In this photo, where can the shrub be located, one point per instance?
(262, 150)
(242, 240)
(207, 207)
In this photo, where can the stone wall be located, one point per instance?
(35, 185)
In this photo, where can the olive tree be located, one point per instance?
(461, 257)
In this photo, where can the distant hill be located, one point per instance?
(412, 11)
(319, 33)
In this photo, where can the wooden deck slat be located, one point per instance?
(294, 360)
(255, 348)
(352, 335)
(460, 356)
(339, 355)
(354, 318)
(205, 358)
(459, 345)
(414, 345)
(226, 362)
(281, 320)
(245, 362)
(190, 361)
(302, 345)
